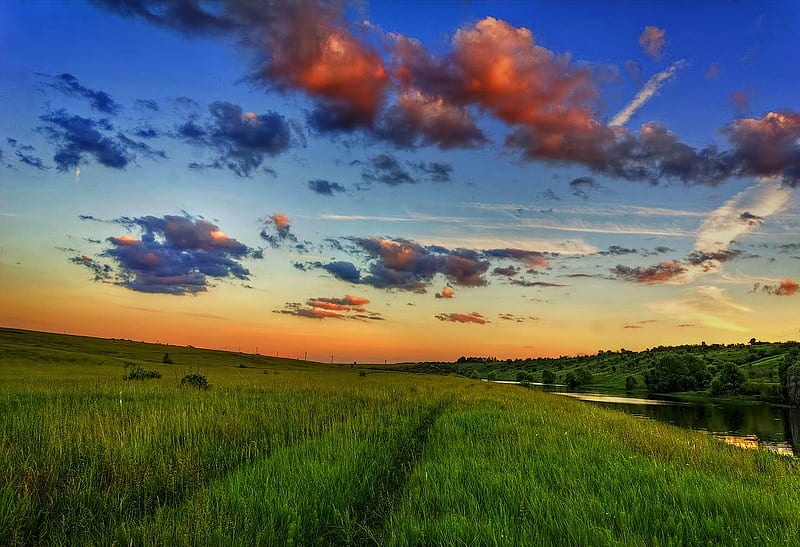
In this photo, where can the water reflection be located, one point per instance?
(748, 425)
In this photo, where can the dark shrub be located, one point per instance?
(166, 359)
(141, 373)
(196, 380)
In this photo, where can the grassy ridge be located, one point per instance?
(286, 452)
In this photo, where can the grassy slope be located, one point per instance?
(317, 454)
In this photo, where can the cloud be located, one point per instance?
(709, 260)
(616, 250)
(713, 71)
(583, 185)
(148, 104)
(174, 255)
(386, 169)
(705, 305)
(343, 270)
(739, 215)
(69, 85)
(545, 284)
(653, 85)
(76, 138)
(437, 171)
(786, 287)
(447, 292)
(102, 272)
(241, 139)
(473, 317)
(661, 272)
(279, 223)
(30, 160)
(740, 101)
(652, 41)
(517, 318)
(549, 101)
(348, 307)
(531, 259)
(325, 187)
(508, 271)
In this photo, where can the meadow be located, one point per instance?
(284, 452)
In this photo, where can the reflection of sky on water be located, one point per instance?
(746, 425)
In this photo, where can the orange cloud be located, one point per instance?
(447, 292)
(522, 83)
(125, 240)
(281, 222)
(309, 48)
(661, 272)
(355, 300)
(473, 317)
(652, 41)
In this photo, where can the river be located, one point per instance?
(746, 424)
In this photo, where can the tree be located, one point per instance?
(571, 379)
(523, 376)
(492, 376)
(676, 372)
(789, 359)
(166, 359)
(630, 383)
(548, 376)
(730, 379)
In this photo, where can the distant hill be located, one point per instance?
(758, 362)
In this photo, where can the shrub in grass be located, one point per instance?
(141, 373)
(196, 380)
(166, 360)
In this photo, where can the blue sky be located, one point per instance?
(266, 161)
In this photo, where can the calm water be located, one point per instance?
(746, 425)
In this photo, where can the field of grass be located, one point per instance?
(282, 452)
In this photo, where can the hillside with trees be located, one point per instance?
(766, 371)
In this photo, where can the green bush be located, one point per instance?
(548, 376)
(141, 373)
(195, 380)
(630, 383)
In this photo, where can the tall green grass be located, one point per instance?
(291, 453)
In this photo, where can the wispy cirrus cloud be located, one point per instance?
(653, 86)
(473, 317)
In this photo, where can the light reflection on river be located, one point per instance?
(748, 425)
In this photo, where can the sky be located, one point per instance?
(400, 181)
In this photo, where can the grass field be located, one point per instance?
(282, 452)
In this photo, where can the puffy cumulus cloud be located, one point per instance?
(473, 317)
(77, 138)
(304, 46)
(241, 139)
(652, 41)
(325, 187)
(786, 287)
(661, 272)
(446, 292)
(349, 307)
(69, 85)
(549, 101)
(709, 260)
(174, 255)
(408, 265)
(767, 146)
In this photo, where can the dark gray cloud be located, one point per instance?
(325, 187)
(616, 250)
(31, 160)
(241, 139)
(583, 185)
(437, 171)
(750, 219)
(102, 272)
(386, 169)
(545, 284)
(77, 138)
(659, 273)
(341, 269)
(509, 271)
(700, 258)
(174, 255)
(69, 85)
(148, 104)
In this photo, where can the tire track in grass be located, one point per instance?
(375, 508)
